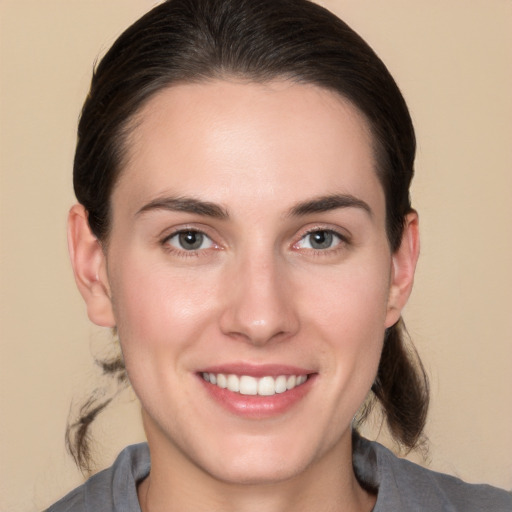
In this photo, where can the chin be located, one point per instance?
(262, 461)
(255, 471)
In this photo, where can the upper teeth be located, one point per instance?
(247, 385)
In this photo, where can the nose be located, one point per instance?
(259, 306)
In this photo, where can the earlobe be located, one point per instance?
(403, 263)
(89, 267)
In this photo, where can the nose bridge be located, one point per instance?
(259, 307)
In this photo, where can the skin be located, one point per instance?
(256, 292)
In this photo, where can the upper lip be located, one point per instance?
(256, 370)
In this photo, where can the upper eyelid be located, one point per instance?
(164, 239)
(170, 232)
(179, 232)
(342, 233)
(344, 241)
(181, 252)
(333, 231)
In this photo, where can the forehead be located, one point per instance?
(274, 141)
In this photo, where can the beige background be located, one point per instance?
(452, 60)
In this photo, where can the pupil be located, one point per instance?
(191, 240)
(321, 240)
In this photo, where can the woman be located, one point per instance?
(244, 223)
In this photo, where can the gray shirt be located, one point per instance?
(401, 485)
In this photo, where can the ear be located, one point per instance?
(90, 269)
(403, 266)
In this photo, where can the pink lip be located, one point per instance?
(272, 370)
(255, 406)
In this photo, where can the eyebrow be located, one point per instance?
(208, 209)
(186, 204)
(328, 203)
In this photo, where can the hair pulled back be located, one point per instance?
(257, 40)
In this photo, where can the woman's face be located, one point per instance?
(248, 243)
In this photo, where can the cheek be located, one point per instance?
(161, 316)
(345, 318)
(348, 299)
(348, 313)
(158, 308)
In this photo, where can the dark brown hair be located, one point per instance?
(257, 40)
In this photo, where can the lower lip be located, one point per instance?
(256, 406)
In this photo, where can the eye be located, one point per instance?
(190, 240)
(319, 240)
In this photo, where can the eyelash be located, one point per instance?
(183, 252)
(343, 241)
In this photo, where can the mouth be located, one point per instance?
(248, 385)
(257, 392)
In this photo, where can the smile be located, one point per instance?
(248, 385)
